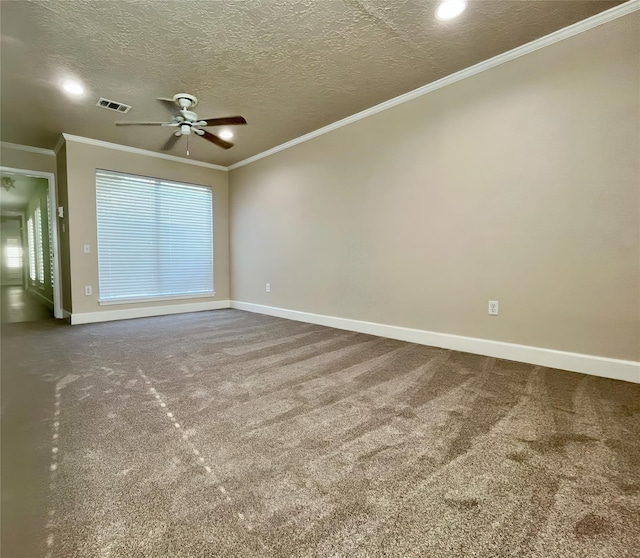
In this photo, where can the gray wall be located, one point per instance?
(19, 159)
(519, 184)
(63, 229)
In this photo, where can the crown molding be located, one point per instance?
(138, 151)
(547, 40)
(59, 145)
(557, 36)
(29, 148)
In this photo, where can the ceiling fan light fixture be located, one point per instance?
(8, 183)
(450, 9)
(73, 87)
(188, 123)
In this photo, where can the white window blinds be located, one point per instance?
(32, 249)
(37, 216)
(50, 232)
(155, 238)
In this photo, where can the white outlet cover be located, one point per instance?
(493, 307)
(267, 287)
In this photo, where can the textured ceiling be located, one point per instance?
(288, 66)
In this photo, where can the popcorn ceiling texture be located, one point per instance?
(290, 67)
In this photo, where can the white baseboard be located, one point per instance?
(626, 370)
(128, 313)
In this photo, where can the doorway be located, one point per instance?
(29, 267)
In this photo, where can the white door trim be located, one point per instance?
(55, 242)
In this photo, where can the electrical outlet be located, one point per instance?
(88, 290)
(87, 248)
(493, 307)
(267, 287)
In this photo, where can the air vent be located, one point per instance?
(113, 105)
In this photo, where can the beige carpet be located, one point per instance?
(237, 435)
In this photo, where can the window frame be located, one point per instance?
(157, 181)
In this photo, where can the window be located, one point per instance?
(36, 247)
(32, 249)
(50, 231)
(155, 238)
(37, 215)
(13, 252)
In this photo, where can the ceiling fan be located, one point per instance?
(186, 121)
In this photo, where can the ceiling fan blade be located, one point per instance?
(215, 139)
(225, 121)
(170, 105)
(122, 123)
(170, 142)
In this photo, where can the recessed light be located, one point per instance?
(450, 9)
(226, 134)
(73, 87)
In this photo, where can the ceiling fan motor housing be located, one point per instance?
(185, 101)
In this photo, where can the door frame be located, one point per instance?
(54, 243)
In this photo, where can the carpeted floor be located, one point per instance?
(238, 435)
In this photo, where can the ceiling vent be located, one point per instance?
(113, 105)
